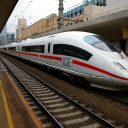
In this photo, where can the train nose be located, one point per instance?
(120, 71)
(121, 80)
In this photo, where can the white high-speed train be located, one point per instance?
(79, 53)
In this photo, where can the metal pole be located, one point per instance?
(60, 19)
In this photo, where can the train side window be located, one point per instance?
(12, 48)
(37, 48)
(69, 50)
(42, 48)
(49, 48)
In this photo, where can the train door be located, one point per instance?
(48, 51)
(56, 57)
(20, 49)
(17, 50)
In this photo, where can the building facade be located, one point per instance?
(3, 36)
(10, 37)
(37, 29)
(7, 39)
(22, 24)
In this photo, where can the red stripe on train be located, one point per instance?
(42, 56)
(30, 54)
(51, 57)
(97, 69)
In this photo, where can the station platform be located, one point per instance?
(14, 112)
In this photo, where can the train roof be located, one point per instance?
(38, 41)
(13, 44)
(74, 34)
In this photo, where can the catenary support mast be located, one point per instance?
(61, 18)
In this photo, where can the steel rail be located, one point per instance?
(107, 123)
(57, 124)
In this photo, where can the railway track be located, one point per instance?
(121, 97)
(61, 110)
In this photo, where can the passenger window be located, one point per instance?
(69, 50)
(12, 48)
(37, 48)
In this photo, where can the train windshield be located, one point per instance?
(101, 43)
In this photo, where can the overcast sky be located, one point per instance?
(34, 10)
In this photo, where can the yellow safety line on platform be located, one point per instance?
(10, 122)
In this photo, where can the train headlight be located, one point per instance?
(120, 66)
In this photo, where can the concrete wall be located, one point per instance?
(91, 11)
(111, 4)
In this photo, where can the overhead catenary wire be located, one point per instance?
(46, 11)
(21, 13)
